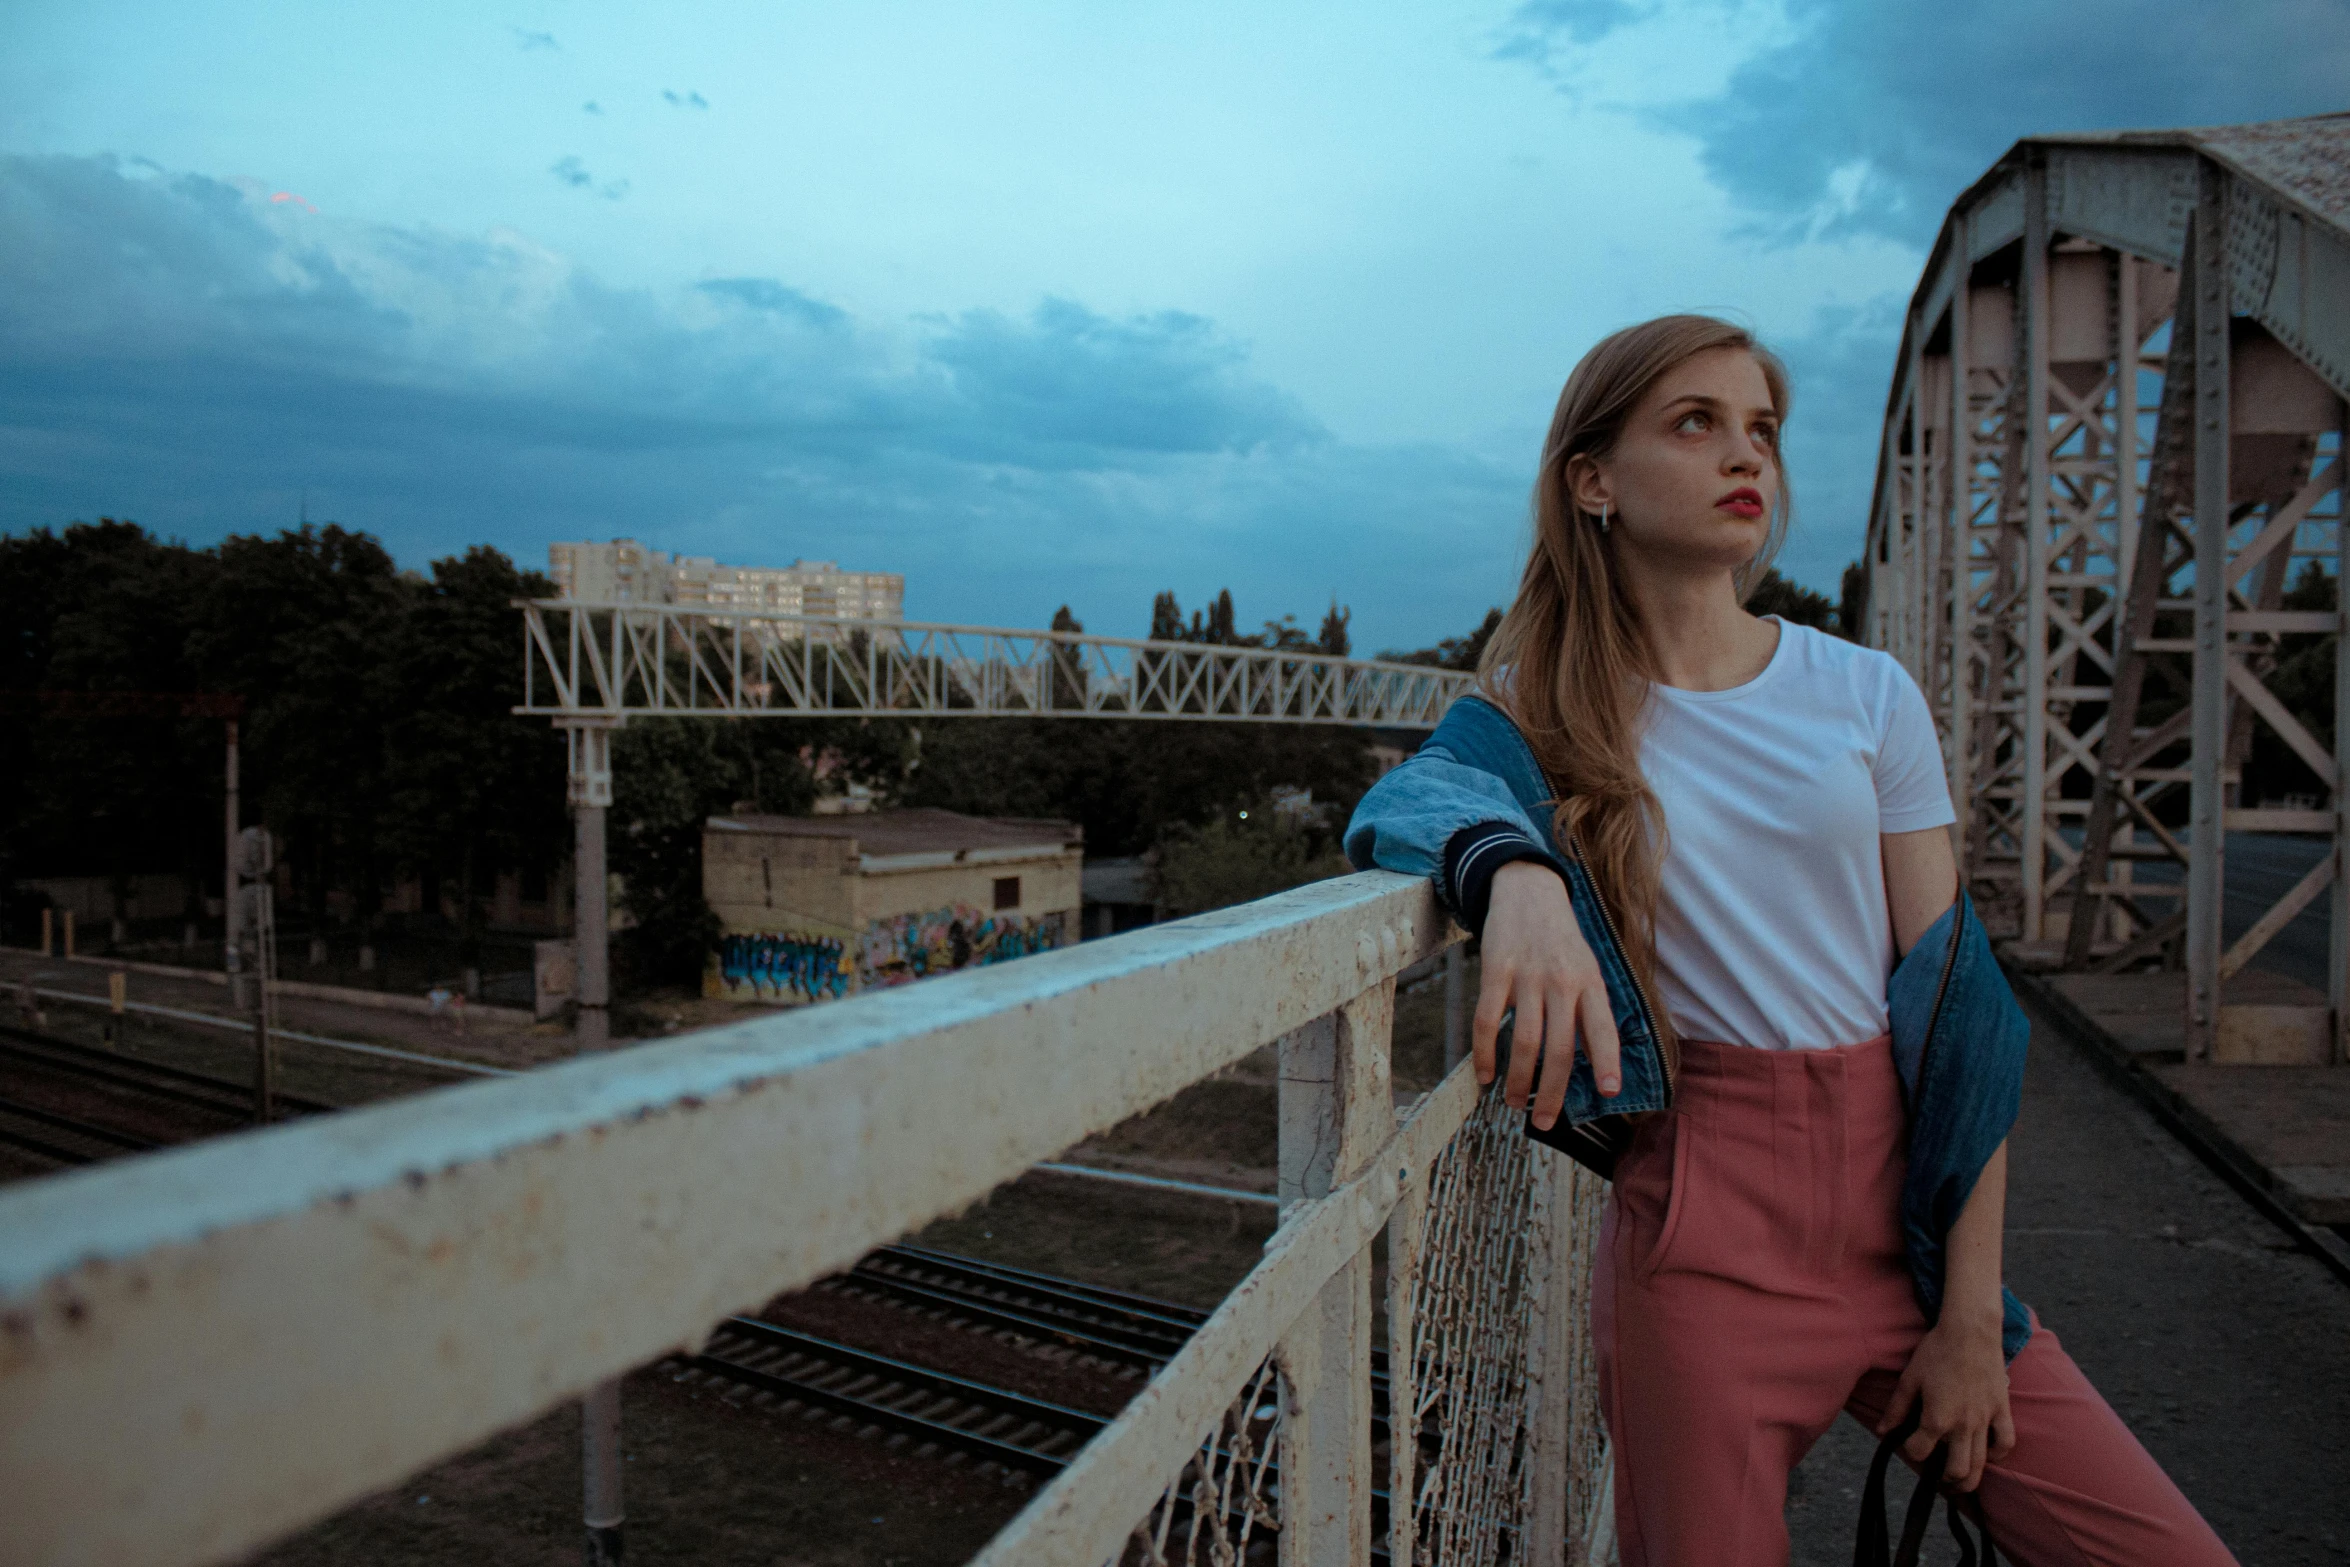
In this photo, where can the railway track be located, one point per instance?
(926, 1412)
(922, 1412)
(160, 1103)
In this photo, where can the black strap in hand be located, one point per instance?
(1873, 1547)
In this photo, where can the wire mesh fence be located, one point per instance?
(1479, 1286)
(1499, 1242)
(1224, 1509)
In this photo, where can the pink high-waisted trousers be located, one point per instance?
(1750, 1285)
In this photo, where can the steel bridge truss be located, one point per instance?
(2116, 429)
(608, 662)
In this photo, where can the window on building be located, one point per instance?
(1007, 892)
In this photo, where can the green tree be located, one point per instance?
(1453, 652)
(1334, 639)
(472, 788)
(307, 626)
(1792, 602)
(1852, 602)
(94, 608)
(1248, 853)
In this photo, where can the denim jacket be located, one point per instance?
(1958, 1035)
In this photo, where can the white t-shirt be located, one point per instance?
(1772, 927)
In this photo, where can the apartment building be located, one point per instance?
(625, 572)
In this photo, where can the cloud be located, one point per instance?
(574, 173)
(177, 349)
(1870, 116)
(691, 100)
(591, 107)
(1066, 379)
(527, 40)
(765, 294)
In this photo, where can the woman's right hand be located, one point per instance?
(1536, 960)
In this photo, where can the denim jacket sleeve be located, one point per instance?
(1409, 816)
(1959, 1042)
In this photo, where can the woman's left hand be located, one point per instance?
(1958, 1375)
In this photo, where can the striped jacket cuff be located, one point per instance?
(1472, 855)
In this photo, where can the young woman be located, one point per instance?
(1760, 812)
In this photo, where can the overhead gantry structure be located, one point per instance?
(2116, 427)
(619, 660)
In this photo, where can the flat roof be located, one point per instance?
(921, 830)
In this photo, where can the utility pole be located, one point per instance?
(228, 882)
(256, 912)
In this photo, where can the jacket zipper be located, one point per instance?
(1949, 966)
(1664, 1057)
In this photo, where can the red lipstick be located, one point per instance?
(1745, 503)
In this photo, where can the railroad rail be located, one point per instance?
(66, 1139)
(931, 1408)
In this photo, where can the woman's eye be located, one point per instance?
(1691, 421)
(1767, 434)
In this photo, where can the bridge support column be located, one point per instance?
(2206, 275)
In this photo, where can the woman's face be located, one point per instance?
(1694, 475)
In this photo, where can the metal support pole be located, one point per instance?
(591, 796)
(1456, 1003)
(2208, 727)
(2032, 820)
(589, 747)
(2125, 418)
(1961, 546)
(2338, 947)
(591, 924)
(600, 1464)
(228, 882)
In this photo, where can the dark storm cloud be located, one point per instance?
(174, 349)
(1069, 381)
(1877, 113)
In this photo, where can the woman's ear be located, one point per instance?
(1587, 486)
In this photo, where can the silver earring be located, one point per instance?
(1603, 516)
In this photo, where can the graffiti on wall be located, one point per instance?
(905, 947)
(800, 966)
(783, 966)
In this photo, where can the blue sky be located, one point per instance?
(1036, 303)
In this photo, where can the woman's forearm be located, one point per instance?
(1970, 1287)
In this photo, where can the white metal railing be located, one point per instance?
(614, 660)
(204, 1349)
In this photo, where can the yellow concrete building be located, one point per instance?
(813, 908)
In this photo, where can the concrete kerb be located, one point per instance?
(2196, 1131)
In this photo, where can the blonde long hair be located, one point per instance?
(1569, 662)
